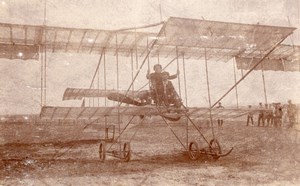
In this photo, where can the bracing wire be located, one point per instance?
(236, 90)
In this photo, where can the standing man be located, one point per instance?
(291, 112)
(278, 115)
(267, 115)
(220, 120)
(261, 115)
(270, 117)
(250, 115)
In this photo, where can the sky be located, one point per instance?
(20, 80)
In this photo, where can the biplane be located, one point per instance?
(253, 47)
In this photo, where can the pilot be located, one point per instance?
(161, 87)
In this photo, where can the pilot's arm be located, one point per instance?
(174, 76)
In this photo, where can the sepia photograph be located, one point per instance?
(150, 92)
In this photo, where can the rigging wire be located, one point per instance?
(263, 79)
(143, 62)
(236, 90)
(250, 70)
(264, 83)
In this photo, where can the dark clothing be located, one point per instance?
(291, 111)
(268, 117)
(162, 90)
(220, 120)
(278, 117)
(249, 118)
(261, 116)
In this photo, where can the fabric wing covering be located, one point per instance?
(219, 40)
(194, 38)
(74, 113)
(283, 58)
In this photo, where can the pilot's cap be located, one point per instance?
(157, 65)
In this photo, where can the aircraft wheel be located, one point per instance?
(102, 151)
(194, 151)
(126, 153)
(215, 148)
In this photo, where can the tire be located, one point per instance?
(102, 151)
(215, 148)
(126, 153)
(194, 152)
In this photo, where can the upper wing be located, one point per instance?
(195, 38)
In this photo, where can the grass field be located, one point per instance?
(261, 156)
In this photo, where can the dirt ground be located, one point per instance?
(261, 156)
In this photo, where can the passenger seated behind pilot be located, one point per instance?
(159, 82)
(170, 93)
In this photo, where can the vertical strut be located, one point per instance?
(185, 93)
(98, 87)
(44, 87)
(42, 76)
(104, 76)
(184, 77)
(136, 52)
(117, 59)
(177, 71)
(148, 61)
(45, 74)
(208, 93)
(132, 69)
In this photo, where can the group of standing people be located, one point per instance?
(272, 114)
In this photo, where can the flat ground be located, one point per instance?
(261, 156)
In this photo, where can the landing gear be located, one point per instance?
(102, 151)
(123, 154)
(126, 153)
(215, 149)
(194, 152)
